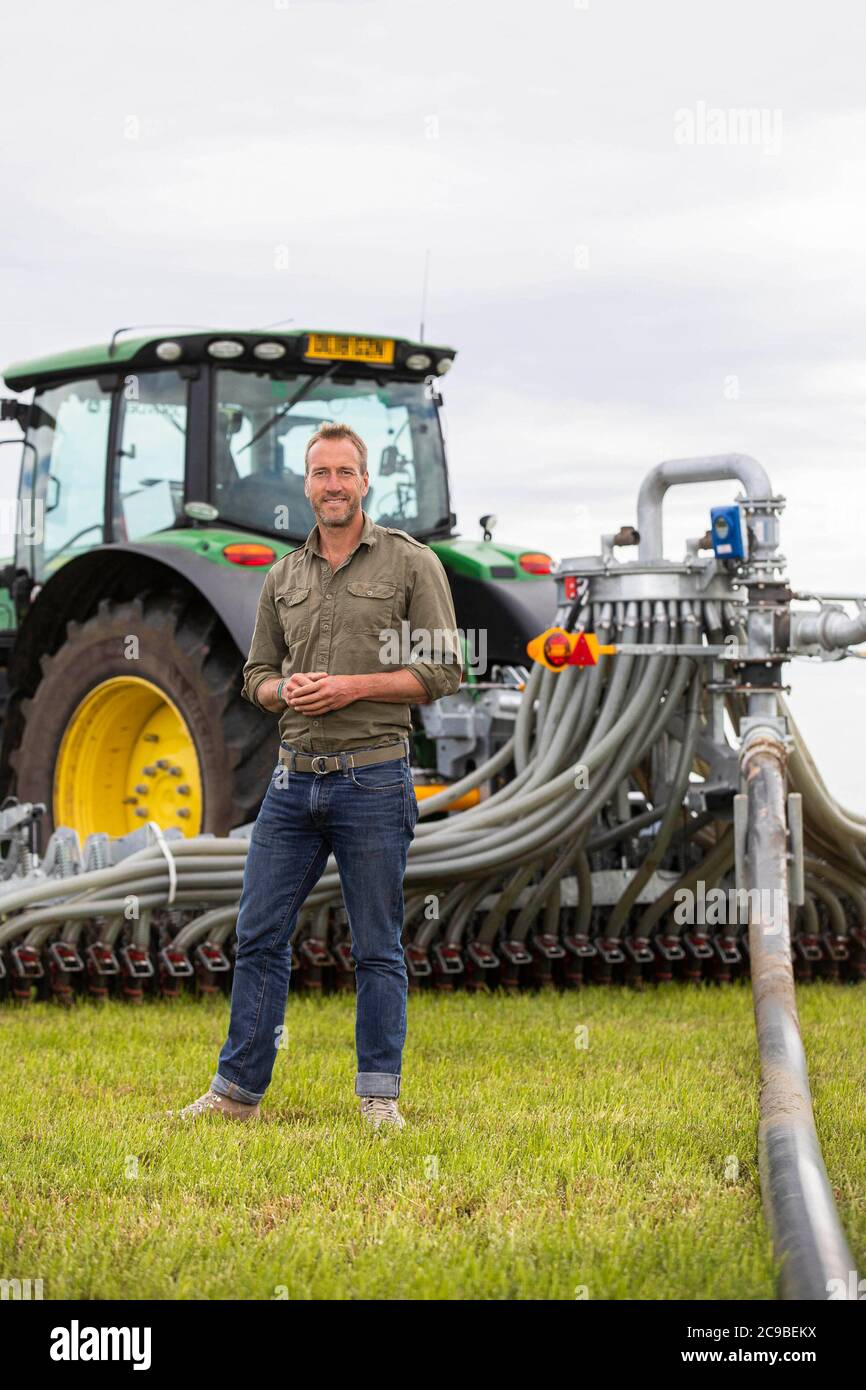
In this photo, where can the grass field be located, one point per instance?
(596, 1144)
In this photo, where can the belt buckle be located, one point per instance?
(319, 758)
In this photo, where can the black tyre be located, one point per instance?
(138, 715)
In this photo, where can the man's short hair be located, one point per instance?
(332, 430)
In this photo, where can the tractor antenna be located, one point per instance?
(279, 323)
(424, 294)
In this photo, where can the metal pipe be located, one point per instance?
(672, 472)
(830, 629)
(798, 1201)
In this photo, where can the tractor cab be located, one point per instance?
(120, 439)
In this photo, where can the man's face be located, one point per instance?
(334, 483)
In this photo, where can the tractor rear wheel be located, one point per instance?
(138, 716)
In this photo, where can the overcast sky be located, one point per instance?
(629, 267)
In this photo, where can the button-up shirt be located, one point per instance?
(387, 607)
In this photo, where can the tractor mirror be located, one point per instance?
(14, 410)
(391, 461)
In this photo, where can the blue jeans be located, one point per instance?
(367, 817)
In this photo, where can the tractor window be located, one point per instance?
(261, 437)
(151, 455)
(65, 476)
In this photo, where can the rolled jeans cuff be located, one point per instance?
(233, 1091)
(377, 1083)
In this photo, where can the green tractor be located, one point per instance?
(160, 478)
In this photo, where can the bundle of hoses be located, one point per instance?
(576, 778)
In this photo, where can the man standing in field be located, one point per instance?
(343, 783)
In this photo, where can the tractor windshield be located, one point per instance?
(262, 429)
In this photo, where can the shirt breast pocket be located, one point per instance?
(369, 606)
(293, 607)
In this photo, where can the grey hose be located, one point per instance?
(663, 836)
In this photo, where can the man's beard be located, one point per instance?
(336, 522)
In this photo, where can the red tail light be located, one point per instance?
(534, 562)
(249, 553)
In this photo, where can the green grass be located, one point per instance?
(529, 1167)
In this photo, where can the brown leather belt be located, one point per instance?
(321, 763)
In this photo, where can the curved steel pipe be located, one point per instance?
(671, 472)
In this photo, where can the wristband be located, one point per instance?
(280, 688)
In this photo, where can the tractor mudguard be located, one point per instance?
(232, 591)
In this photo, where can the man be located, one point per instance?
(343, 784)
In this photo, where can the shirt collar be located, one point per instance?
(368, 536)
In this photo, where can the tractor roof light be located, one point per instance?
(535, 562)
(249, 553)
(269, 352)
(418, 362)
(169, 352)
(444, 365)
(225, 348)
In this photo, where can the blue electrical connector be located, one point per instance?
(726, 528)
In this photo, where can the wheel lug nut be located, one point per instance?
(131, 800)
(184, 812)
(141, 789)
(176, 771)
(149, 771)
(183, 789)
(142, 811)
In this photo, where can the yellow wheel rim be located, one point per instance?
(127, 757)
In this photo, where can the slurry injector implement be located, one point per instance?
(642, 801)
(644, 808)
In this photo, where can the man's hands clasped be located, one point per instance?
(315, 692)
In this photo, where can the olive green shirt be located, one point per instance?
(388, 607)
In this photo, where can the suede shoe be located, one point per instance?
(212, 1101)
(381, 1110)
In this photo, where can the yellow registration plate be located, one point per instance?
(336, 348)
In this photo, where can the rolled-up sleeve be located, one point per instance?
(433, 625)
(268, 646)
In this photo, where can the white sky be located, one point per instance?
(616, 296)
